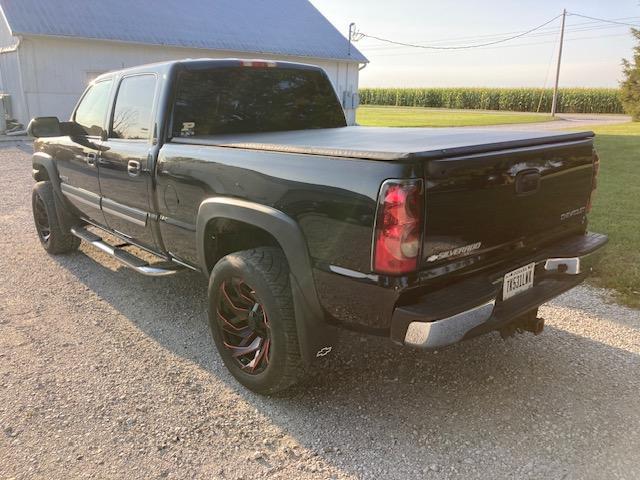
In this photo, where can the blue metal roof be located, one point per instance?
(281, 27)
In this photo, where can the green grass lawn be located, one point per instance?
(616, 209)
(383, 116)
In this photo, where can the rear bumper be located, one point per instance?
(474, 306)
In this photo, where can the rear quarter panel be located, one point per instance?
(332, 199)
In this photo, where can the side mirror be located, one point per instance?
(52, 127)
(44, 127)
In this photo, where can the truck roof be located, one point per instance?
(387, 143)
(206, 63)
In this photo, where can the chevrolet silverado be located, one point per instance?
(246, 171)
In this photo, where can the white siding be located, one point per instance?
(10, 83)
(56, 70)
(10, 70)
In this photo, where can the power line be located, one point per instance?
(592, 24)
(433, 47)
(584, 26)
(547, 42)
(603, 20)
(576, 27)
(539, 34)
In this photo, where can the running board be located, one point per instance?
(123, 256)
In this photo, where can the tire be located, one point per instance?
(259, 276)
(54, 237)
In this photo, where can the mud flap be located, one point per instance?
(317, 338)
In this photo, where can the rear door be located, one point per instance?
(77, 157)
(127, 160)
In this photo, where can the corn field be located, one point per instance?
(570, 100)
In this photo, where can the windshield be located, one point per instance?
(242, 100)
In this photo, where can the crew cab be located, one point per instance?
(246, 171)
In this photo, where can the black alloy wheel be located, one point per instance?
(52, 220)
(252, 319)
(41, 218)
(245, 325)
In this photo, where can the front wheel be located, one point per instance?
(54, 237)
(252, 319)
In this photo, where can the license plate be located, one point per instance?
(518, 281)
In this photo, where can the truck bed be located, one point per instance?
(385, 143)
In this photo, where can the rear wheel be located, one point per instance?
(54, 237)
(252, 320)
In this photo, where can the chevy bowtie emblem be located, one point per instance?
(324, 351)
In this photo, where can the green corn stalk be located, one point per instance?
(570, 100)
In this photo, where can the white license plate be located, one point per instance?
(518, 281)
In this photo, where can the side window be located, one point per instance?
(93, 108)
(132, 112)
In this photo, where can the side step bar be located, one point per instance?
(123, 256)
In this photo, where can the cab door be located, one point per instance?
(127, 160)
(77, 156)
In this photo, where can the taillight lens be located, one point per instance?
(398, 227)
(594, 179)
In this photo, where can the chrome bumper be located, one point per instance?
(574, 265)
(452, 329)
(447, 330)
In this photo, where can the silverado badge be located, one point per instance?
(454, 252)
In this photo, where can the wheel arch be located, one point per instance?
(314, 333)
(45, 169)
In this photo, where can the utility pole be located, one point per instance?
(554, 104)
(352, 27)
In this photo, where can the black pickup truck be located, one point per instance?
(247, 172)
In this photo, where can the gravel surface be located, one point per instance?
(108, 374)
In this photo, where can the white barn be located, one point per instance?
(51, 49)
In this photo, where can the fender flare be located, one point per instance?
(43, 161)
(314, 333)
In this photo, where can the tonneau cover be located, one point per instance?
(386, 143)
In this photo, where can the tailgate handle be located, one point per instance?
(527, 182)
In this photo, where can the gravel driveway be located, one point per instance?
(107, 374)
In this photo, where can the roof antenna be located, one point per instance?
(352, 29)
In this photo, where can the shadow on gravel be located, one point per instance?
(391, 408)
(22, 145)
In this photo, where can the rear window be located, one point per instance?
(243, 100)
(134, 103)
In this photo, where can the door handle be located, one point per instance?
(133, 168)
(91, 158)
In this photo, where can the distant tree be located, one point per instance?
(630, 86)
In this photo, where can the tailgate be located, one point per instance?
(487, 204)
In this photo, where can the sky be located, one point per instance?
(591, 56)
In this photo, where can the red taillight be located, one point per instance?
(594, 179)
(398, 227)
